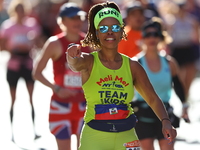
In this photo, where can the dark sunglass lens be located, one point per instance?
(116, 28)
(155, 34)
(103, 29)
(151, 34)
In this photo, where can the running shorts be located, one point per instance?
(66, 119)
(92, 139)
(185, 55)
(19, 65)
(146, 130)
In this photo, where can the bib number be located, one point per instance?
(73, 81)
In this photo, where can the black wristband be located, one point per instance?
(71, 44)
(165, 119)
(56, 88)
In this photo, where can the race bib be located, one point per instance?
(73, 81)
(134, 145)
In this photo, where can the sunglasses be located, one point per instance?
(151, 34)
(114, 28)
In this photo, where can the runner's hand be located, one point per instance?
(185, 115)
(169, 131)
(74, 51)
(66, 93)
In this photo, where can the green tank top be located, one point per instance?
(108, 92)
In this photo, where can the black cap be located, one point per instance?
(70, 10)
(152, 24)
